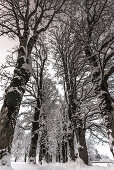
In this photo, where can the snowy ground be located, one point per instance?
(78, 165)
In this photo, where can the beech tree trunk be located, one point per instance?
(48, 156)
(35, 124)
(105, 104)
(64, 151)
(15, 159)
(25, 157)
(74, 118)
(58, 154)
(12, 100)
(43, 146)
(82, 147)
(100, 84)
(71, 145)
(99, 78)
(71, 112)
(42, 152)
(81, 140)
(34, 134)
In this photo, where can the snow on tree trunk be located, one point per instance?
(58, 153)
(12, 100)
(100, 85)
(105, 104)
(34, 134)
(71, 143)
(64, 151)
(82, 147)
(42, 152)
(5, 159)
(79, 131)
(98, 62)
(71, 112)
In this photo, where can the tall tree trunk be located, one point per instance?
(12, 100)
(35, 124)
(15, 159)
(34, 134)
(25, 157)
(98, 77)
(64, 151)
(58, 153)
(105, 104)
(82, 147)
(43, 146)
(71, 111)
(42, 152)
(71, 147)
(71, 143)
(100, 84)
(48, 156)
(71, 108)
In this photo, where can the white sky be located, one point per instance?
(5, 46)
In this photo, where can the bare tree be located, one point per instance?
(40, 57)
(72, 67)
(49, 114)
(50, 98)
(39, 99)
(24, 20)
(99, 49)
(92, 22)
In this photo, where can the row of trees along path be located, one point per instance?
(81, 38)
(23, 20)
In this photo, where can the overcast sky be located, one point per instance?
(5, 46)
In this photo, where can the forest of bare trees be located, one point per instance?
(62, 44)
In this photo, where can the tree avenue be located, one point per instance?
(63, 79)
(24, 20)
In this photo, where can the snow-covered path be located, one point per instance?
(67, 166)
(25, 166)
(57, 166)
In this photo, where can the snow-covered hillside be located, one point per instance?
(78, 165)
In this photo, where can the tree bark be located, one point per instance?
(34, 134)
(15, 159)
(82, 147)
(105, 104)
(74, 117)
(25, 157)
(42, 152)
(43, 146)
(98, 77)
(64, 151)
(48, 156)
(12, 100)
(100, 85)
(58, 154)
(35, 124)
(71, 145)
